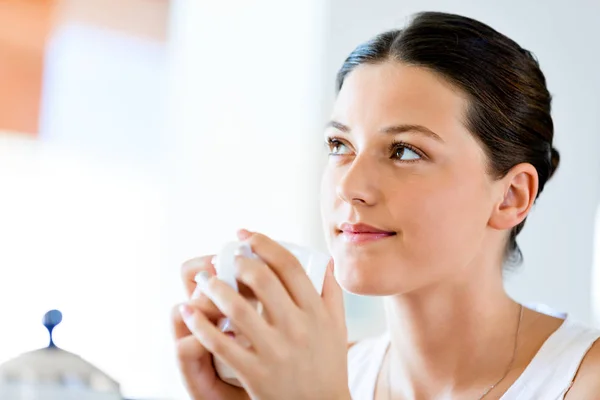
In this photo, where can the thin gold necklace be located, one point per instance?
(489, 388)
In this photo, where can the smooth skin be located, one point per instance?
(402, 160)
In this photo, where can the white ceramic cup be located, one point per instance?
(313, 262)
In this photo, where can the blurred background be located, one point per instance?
(135, 134)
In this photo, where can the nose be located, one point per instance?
(358, 184)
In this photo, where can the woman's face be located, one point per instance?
(402, 162)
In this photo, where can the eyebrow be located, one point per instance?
(391, 129)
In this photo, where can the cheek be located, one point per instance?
(442, 218)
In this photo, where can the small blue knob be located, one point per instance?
(51, 319)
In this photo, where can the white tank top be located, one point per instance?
(548, 376)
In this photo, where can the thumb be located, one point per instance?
(333, 295)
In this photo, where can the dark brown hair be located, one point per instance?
(509, 103)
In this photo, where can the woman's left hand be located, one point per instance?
(300, 350)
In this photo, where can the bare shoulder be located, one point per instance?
(587, 380)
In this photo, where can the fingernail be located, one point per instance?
(243, 234)
(213, 260)
(224, 325)
(202, 279)
(186, 312)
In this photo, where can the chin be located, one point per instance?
(378, 273)
(360, 287)
(363, 278)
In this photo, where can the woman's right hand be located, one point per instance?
(195, 362)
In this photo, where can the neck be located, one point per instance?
(453, 337)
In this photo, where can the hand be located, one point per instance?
(299, 350)
(195, 362)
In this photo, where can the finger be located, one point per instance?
(190, 269)
(190, 350)
(217, 343)
(244, 234)
(205, 306)
(193, 359)
(239, 311)
(200, 300)
(288, 270)
(180, 329)
(196, 366)
(333, 296)
(268, 289)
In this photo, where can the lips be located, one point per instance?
(362, 228)
(363, 233)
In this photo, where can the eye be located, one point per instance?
(336, 147)
(404, 152)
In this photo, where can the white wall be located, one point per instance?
(557, 241)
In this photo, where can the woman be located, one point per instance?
(439, 143)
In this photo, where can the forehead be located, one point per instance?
(376, 95)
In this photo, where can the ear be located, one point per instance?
(517, 193)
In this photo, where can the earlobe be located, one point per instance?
(519, 188)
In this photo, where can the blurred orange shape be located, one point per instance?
(24, 29)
